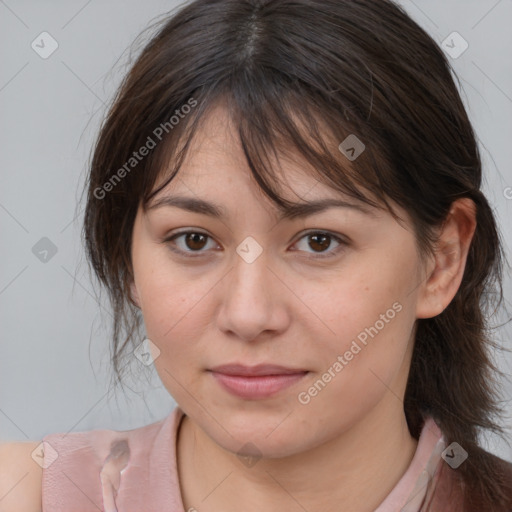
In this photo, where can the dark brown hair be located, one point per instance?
(305, 74)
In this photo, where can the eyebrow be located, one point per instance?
(298, 210)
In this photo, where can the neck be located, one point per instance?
(372, 454)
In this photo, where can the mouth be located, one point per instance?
(256, 382)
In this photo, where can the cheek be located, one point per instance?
(359, 366)
(175, 307)
(171, 311)
(370, 314)
(369, 346)
(165, 294)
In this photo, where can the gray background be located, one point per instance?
(50, 111)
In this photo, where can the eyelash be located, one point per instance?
(169, 241)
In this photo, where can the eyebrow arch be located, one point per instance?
(299, 210)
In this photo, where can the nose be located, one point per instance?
(253, 300)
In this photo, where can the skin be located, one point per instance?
(349, 446)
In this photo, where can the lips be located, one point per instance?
(256, 382)
(255, 371)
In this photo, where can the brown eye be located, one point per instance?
(320, 242)
(190, 242)
(195, 241)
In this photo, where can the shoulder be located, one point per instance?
(472, 496)
(84, 469)
(504, 470)
(502, 475)
(20, 477)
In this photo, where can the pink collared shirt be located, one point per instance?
(136, 471)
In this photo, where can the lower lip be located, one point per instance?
(254, 388)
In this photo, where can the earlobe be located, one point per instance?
(451, 253)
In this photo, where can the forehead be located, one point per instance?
(215, 163)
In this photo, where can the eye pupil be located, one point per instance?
(193, 237)
(323, 245)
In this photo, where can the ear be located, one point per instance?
(446, 269)
(134, 294)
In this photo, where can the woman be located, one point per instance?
(289, 197)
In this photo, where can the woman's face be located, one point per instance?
(253, 288)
